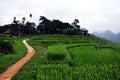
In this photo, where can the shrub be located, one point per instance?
(56, 56)
(6, 47)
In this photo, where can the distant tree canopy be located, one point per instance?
(45, 26)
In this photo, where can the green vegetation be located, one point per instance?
(89, 55)
(6, 46)
(75, 56)
(84, 72)
(30, 68)
(19, 51)
(63, 57)
(58, 52)
(45, 26)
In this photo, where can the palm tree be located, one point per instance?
(15, 21)
(30, 16)
(23, 25)
(23, 20)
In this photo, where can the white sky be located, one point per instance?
(95, 15)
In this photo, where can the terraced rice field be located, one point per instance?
(73, 57)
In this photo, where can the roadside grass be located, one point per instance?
(8, 59)
(29, 70)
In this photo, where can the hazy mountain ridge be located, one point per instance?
(109, 35)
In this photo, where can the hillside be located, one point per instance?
(63, 57)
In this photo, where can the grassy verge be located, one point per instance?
(8, 59)
(29, 70)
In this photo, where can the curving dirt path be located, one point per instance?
(13, 69)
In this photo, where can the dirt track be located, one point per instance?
(13, 69)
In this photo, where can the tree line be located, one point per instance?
(45, 26)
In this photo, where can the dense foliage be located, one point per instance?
(11, 50)
(6, 44)
(45, 26)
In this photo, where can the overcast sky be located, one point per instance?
(95, 15)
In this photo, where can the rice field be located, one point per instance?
(84, 72)
(71, 58)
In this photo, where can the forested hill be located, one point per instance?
(45, 26)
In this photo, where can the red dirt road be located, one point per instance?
(13, 69)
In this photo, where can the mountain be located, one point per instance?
(109, 35)
(118, 36)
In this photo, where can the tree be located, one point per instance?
(23, 25)
(44, 25)
(23, 20)
(30, 16)
(57, 25)
(84, 31)
(15, 27)
(75, 24)
(15, 21)
(30, 28)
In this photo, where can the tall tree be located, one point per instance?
(30, 16)
(23, 25)
(44, 25)
(15, 27)
(30, 28)
(84, 31)
(75, 24)
(15, 21)
(23, 20)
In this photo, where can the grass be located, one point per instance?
(30, 68)
(80, 60)
(84, 72)
(58, 52)
(89, 55)
(8, 59)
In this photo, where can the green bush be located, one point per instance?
(56, 56)
(6, 47)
